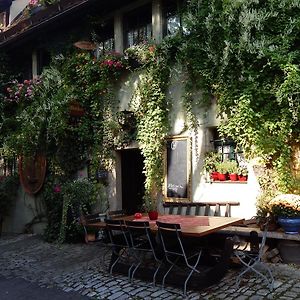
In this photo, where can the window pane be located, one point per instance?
(138, 25)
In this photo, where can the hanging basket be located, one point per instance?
(75, 109)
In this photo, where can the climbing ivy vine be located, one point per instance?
(246, 54)
(151, 109)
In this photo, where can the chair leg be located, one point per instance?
(251, 266)
(155, 273)
(103, 258)
(134, 270)
(113, 265)
(192, 271)
(166, 274)
(118, 257)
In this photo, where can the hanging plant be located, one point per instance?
(151, 110)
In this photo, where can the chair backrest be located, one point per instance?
(200, 208)
(116, 230)
(115, 213)
(92, 218)
(139, 230)
(171, 238)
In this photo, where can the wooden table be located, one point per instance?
(192, 227)
(196, 226)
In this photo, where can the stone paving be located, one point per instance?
(77, 268)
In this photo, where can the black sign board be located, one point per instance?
(177, 168)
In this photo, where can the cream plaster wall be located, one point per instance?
(16, 7)
(23, 211)
(201, 189)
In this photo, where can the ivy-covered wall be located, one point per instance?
(235, 59)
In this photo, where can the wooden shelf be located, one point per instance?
(245, 231)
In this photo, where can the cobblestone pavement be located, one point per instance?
(77, 268)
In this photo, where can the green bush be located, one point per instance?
(65, 202)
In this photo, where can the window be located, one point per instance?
(104, 35)
(172, 16)
(172, 19)
(225, 146)
(138, 26)
(43, 60)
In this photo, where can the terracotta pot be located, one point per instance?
(214, 176)
(75, 109)
(222, 177)
(243, 178)
(153, 215)
(233, 177)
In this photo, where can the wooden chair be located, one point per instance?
(118, 241)
(250, 257)
(115, 213)
(143, 247)
(91, 236)
(177, 254)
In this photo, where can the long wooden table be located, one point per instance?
(196, 226)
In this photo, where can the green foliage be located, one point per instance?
(53, 200)
(151, 110)
(65, 201)
(226, 166)
(211, 159)
(78, 197)
(246, 53)
(242, 171)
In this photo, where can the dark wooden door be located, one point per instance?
(132, 180)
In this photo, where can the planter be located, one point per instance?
(36, 9)
(289, 251)
(222, 177)
(75, 109)
(153, 215)
(233, 177)
(242, 178)
(134, 63)
(291, 225)
(214, 176)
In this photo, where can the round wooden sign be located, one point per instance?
(32, 172)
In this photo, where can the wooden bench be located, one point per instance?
(199, 208)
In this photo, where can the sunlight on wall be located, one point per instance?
(16, 7)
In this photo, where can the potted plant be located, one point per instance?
(150, 206)
(286, 207)
(222, 169)
(242, 173)
(232, 170)
(210, 161)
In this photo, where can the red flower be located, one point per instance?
(57, 189)
(152, 48)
